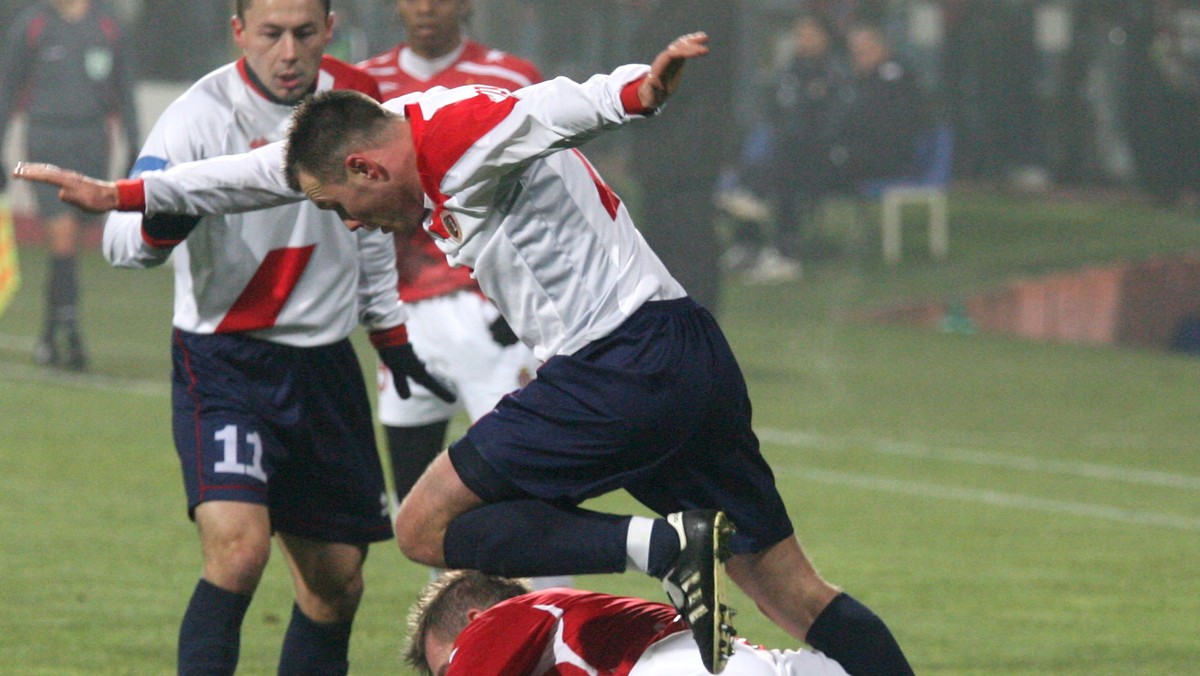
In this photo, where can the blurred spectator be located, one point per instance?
(886, 111)
(65, 65)
(1165, 110)
(676, 164)
(803, 107)
(990, 66)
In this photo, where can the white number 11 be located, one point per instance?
(230, 465)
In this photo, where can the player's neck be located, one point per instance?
(436, 52)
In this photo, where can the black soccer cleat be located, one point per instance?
(696, 584)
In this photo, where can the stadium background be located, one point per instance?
(1010, 506)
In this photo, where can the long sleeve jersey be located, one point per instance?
(291, 274)
(549, 241)
(66, 73)
(422, 268)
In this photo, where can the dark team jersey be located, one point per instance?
(66, 73)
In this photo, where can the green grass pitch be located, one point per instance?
(1008, 507)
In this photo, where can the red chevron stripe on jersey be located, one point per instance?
(469, 119)
(259, 304)
(607, 197)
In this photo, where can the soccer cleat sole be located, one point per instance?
(722, 648)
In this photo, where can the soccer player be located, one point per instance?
(639, 388)
(65, 63)
(272, 421)
(470, 623)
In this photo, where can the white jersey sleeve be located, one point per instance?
(228, 184)
(124, 246)
(377, 281)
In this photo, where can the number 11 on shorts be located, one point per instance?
(228, 435)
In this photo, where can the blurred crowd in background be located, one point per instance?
(1039, 91)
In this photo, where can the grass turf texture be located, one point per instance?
(1008, 507)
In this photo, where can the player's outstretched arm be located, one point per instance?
(667, 68)
(85, 192)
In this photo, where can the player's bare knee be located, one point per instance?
(418, 544)
(236, 566)
(332, 599)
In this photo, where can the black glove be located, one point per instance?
(502, 333)
(404, 364)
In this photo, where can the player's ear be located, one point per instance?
(359, 164)
(474, 613)
(330, 22)
(239, 31)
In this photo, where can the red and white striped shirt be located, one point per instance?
(291, 274)
(422, 269)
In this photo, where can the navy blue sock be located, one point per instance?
(315, 648)
(62, 292)
(211, 634)
(531, 538)
(850, 633)
(664, 548)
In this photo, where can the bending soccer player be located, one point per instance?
(639, 389)
(469, 623)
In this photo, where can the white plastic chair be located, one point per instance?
(928, 186)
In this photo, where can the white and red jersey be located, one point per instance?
(422, 268)
(292, 274)
(562, 631)
(550, 243)
(401, 71)
(569, 632)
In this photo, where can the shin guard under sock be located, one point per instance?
(531, 538)
(314, 647)
(210, 635)
(847, 631)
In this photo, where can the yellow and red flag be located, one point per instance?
(10, 269)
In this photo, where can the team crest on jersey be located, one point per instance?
(452, 227)
(98, 63)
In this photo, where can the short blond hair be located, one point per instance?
(441, 611)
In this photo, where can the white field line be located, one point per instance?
(1025, 463)
(999, 499)
(989, 497)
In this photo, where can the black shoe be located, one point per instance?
(696, 584)
(76, 361)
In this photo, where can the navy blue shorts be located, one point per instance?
(286, 427)
(658, 408)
